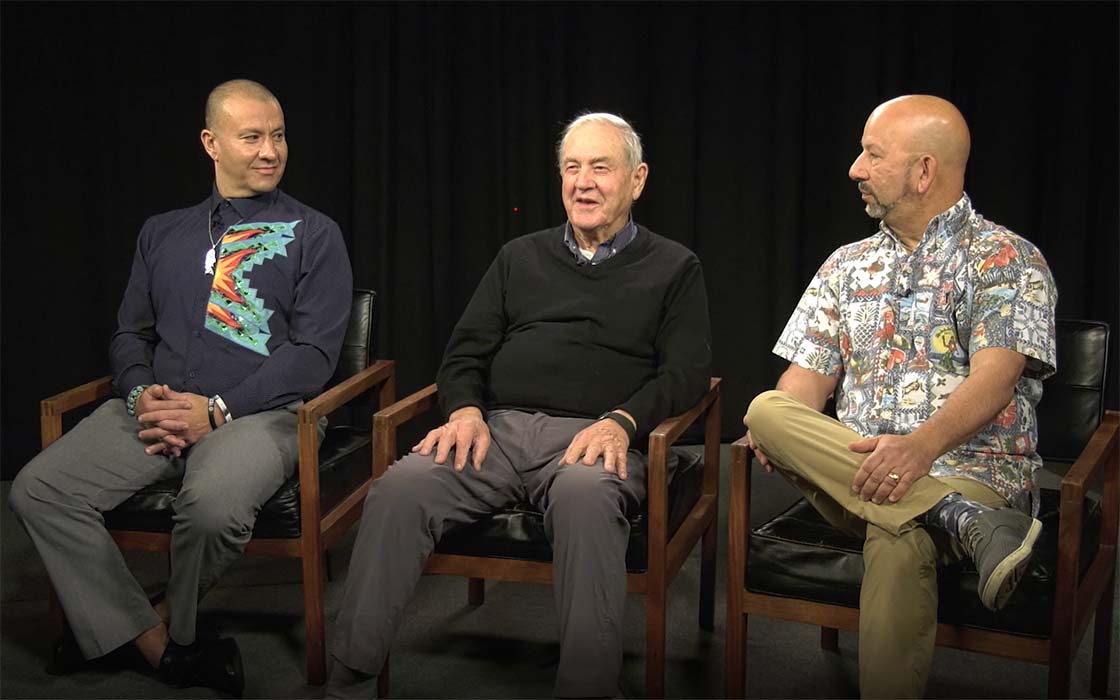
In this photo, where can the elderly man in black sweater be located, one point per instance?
(579, 340)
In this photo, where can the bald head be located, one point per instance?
(927, 124)
(911, 167)
(249, 89)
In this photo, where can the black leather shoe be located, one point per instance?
(66, 657)
(214, 664)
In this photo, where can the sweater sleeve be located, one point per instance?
(132, 347)
(684, 350)
(465, 371)
(320, 312)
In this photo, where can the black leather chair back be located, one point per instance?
(1072, 402)
(357, 348)
(357, 354)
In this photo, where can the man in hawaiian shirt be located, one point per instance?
(934, 335)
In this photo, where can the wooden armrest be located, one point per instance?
(657, 476)
(388, 419)
(741, 449)
(406, 409)
(1100, 447)
(75, 397)
(381, 372)
(1099, 458)
(739, 515)
(741, 455)
(1099, 454)
(671, 429)
(339, 395)
(51, 409)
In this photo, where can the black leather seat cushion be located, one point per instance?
(518, 533)
(344, 462)
(799, 555)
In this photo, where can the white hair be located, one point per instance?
(631, 142)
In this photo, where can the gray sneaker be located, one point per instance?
(999, 543)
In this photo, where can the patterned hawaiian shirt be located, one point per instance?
(897, 329)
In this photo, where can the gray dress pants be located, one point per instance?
(409, 508)
(60, 496)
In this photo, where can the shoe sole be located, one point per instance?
(1005, 577)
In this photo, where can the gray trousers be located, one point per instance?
(409, 508)
(61, 494)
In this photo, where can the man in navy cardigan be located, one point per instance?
(235, 312)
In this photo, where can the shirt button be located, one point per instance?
(197, 334)
(191, 373)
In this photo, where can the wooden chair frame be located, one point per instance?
(318, 530)
(1076, 598)
(665, 556)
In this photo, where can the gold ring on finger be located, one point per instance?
(894, 477)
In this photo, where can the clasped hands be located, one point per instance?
(888, 456)
(467, 432)
(173, 420)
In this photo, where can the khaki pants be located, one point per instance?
(898, 598)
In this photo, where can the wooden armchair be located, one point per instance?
(511, 545)
(312, 510)
(797, 567)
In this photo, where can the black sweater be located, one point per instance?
(544, 333)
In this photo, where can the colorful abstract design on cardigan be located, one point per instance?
(898, 328)
(234, 311)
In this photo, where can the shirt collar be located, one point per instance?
(618, 241)
(942, 228)
(246, 207)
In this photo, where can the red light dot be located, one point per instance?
(515, 208)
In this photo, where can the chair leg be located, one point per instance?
(738, 543)
(655, 642)
(1102, 642)
(56, 619)
(708, 576)
(313, 618)
(830, 639)
(734, 681)
(383, 680)
(1058, 673)
(476, 591)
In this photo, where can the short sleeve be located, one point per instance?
(1013, 303)
(811, 338)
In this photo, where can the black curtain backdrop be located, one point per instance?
(427, 131)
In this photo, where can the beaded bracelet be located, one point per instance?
(133, 397)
